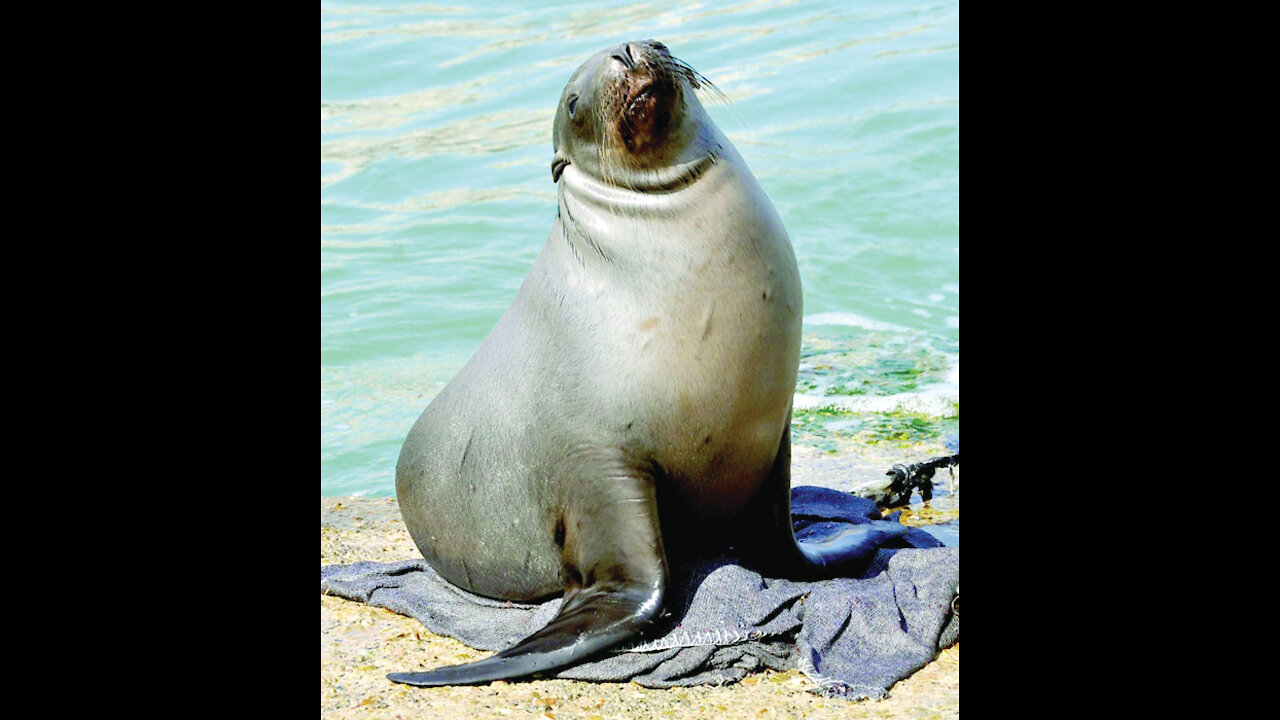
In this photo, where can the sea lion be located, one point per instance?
(633, 404)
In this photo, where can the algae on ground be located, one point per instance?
(876, 366)
(868, 365)
(824, 428)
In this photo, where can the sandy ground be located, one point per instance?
(359, 645)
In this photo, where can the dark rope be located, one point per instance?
(916, 476)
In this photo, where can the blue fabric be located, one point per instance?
(854, 636)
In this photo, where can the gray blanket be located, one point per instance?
(854, 636)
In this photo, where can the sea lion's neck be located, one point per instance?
(638, 192)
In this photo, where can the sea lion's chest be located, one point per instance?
(682, 332)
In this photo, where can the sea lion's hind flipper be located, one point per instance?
(592, 621)
(841, 554)
(850, 547)
(615, 572)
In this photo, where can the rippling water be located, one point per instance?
(436, 195)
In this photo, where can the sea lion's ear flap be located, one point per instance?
(558, 162)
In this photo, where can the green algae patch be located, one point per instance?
(877, 388)
(862, 366)
(828, 429)
(905, 429)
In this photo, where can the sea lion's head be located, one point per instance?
(628, 113)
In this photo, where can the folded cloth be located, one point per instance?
(854, 636)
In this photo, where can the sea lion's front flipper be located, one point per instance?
(841, 554)
(615, 573)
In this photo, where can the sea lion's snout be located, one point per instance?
(622, 54)
(647, 93)
(630, 54)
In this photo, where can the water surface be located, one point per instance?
(436, 195)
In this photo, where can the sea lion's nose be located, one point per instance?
(622, 53)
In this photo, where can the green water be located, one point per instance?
(436, 195)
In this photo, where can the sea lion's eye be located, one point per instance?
(573, 103)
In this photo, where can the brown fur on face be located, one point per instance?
(641, 105)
